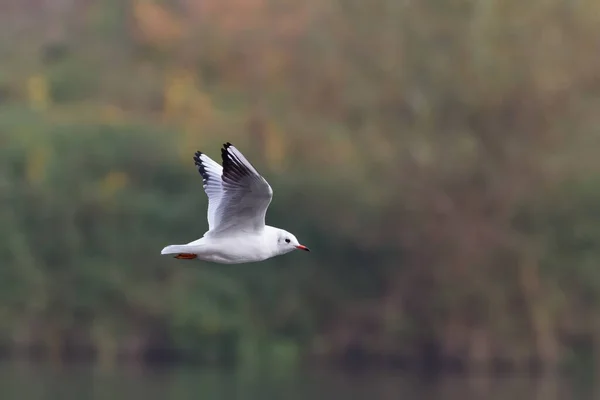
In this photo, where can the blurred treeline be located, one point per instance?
(439, 157)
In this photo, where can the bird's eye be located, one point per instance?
(287, 240)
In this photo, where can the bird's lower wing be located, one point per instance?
(211, 176)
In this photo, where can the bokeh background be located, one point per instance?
(439, 157)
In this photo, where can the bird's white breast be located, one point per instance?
(237, 249)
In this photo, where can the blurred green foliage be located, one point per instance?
(439, 157)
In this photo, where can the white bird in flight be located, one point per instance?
(238, 198)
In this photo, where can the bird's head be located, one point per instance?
(287, 242)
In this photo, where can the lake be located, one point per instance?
(27, 381)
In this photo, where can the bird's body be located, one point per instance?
(234, 249)
(238, 198)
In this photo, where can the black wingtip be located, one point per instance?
(225, 152)
(198, 162)
(226, 146)
(233, 168)
(197, 159)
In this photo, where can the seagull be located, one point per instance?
(238, 198)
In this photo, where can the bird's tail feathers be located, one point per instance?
(176, 249)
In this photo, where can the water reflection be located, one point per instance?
(22, 381)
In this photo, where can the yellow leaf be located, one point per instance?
(184, 99)
(178, 86)
(38, 92)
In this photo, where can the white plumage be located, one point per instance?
(238, 198)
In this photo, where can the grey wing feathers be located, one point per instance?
(239, 198)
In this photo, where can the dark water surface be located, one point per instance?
(25, 381)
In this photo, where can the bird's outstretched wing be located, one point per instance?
(238, 196)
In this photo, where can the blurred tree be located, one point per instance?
(440, 157)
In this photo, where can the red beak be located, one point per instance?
(301, 247)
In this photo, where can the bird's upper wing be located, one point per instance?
(238, 201)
